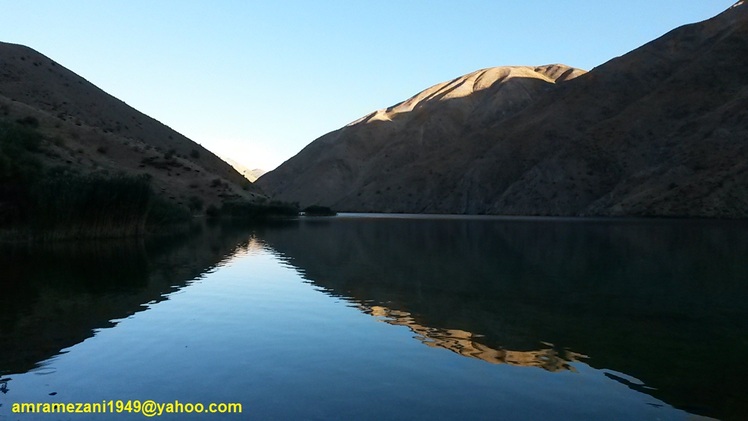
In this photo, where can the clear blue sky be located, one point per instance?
(258, 80)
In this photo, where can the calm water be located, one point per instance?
(389, 318)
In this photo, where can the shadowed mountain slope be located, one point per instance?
(86, 130)
(397, 159)
(660, 131)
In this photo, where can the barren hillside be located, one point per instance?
(87, 130)
(660, 131)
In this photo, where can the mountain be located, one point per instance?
(84, 130)
(397, 159)
(660, 131)
(251, 175)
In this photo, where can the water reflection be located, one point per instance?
(468, 344)
(658, 306)
(57, 295)
(662, 301)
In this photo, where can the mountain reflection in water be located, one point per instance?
(56, 295)
(663, 301)
(466, 343)
(656, 305)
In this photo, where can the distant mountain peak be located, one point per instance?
(250, 174)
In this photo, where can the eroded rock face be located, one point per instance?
(660, 131)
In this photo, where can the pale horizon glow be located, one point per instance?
(258, 81)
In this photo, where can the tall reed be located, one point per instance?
(90, 206)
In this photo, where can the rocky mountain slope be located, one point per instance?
(86, 130)
(660, 131)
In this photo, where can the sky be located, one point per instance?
(256, 81)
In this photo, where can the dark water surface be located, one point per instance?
(361, 317)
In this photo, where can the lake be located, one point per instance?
(396, 317)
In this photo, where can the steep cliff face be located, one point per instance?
(659, 131)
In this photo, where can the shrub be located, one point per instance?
(164, 213)
(195, 204)
(17, 144)
(255, 211)
(28, 121)
(316, 210)
(212, 211)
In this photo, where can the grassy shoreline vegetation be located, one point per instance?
(43, 202)
(258, 211)
(90, 206)
(317, 210)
